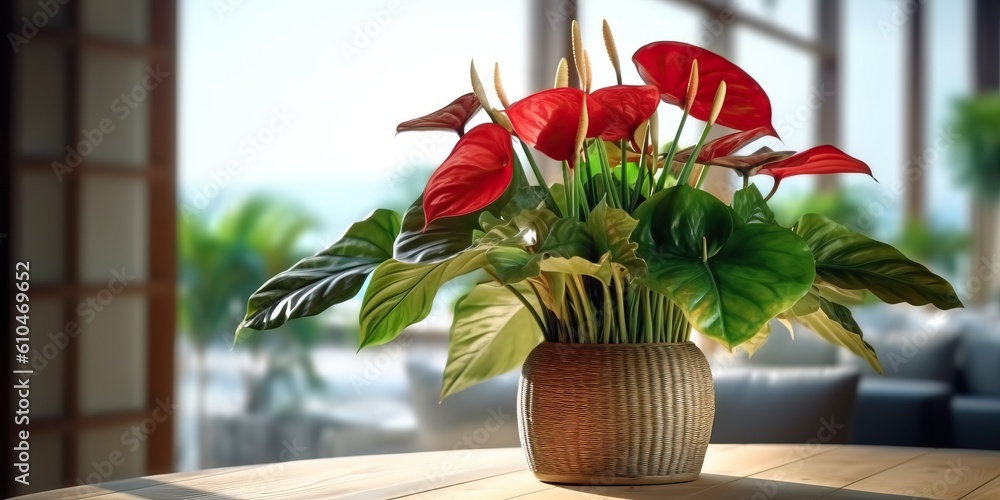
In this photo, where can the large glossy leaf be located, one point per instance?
(327, 278)
(513, 264)
(537, 241)
(491, 334)
(667, 65)
(401, 294)
(569, 238)
(600, 270)
(440, 240)
(852, 261)
(834, 323)
(475, 174)
(612, 230)
(454, 116)
(445, 237)
(751, 207)
(729, 277)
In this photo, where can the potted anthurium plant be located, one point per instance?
(595, 283)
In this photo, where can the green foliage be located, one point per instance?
(492, 333)
(729, 277)
(977, 128)
(834, 323)
(401, 294)
(327, 278)
(751, 207)
(852, 261)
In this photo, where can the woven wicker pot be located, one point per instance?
(615, 414)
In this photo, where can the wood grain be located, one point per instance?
(731, 471)
(947, 474)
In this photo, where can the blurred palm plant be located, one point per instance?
(221, 262)
(977, 124)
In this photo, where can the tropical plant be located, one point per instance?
(626, 249)
(222, 261)
(977, 125)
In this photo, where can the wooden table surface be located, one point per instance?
(756, 471)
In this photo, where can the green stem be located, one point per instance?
(686, 171)
(669, 163)
(701, 178)
(581, 199)
(608, 315)
(549, 199)
(633, 313)
(658, 319)
(642, 169)
(746, 181)
(623, 192)
(609, 180)
(670, 322)
(621, 304)
(576, 307)
(647, 316)
(585, 310)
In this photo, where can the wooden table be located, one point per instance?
(758, 471)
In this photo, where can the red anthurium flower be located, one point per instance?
(548, 121)
(723, 146)
(667, 65)
(625, 108)
(454, 116)
(818, 160)
(474, 175)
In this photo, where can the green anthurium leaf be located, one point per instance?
(751, 207)
(839, 295)
(528, 197)
(729, 277)
(569, 238)
(487, 221)
(443, 238)
(757, 341)
(806, 305)
(578, 265)
(513, 264)
(447, 236)
(525, 230)
(327, 278)
(852, 261)
(492, 333)
(401, 294)
(834, 323)
(612, 229)
(559, 193)
(554, 284)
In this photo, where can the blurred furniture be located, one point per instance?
(942, 375)
(483, 416)
(784, 405)
(730, 471)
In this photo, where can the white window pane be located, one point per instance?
(126, 20)
(114, 228)
(41, 226)
(112, 353)
(114, 109)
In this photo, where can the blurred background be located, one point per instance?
(167, 157)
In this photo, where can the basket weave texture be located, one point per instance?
(616, 413)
